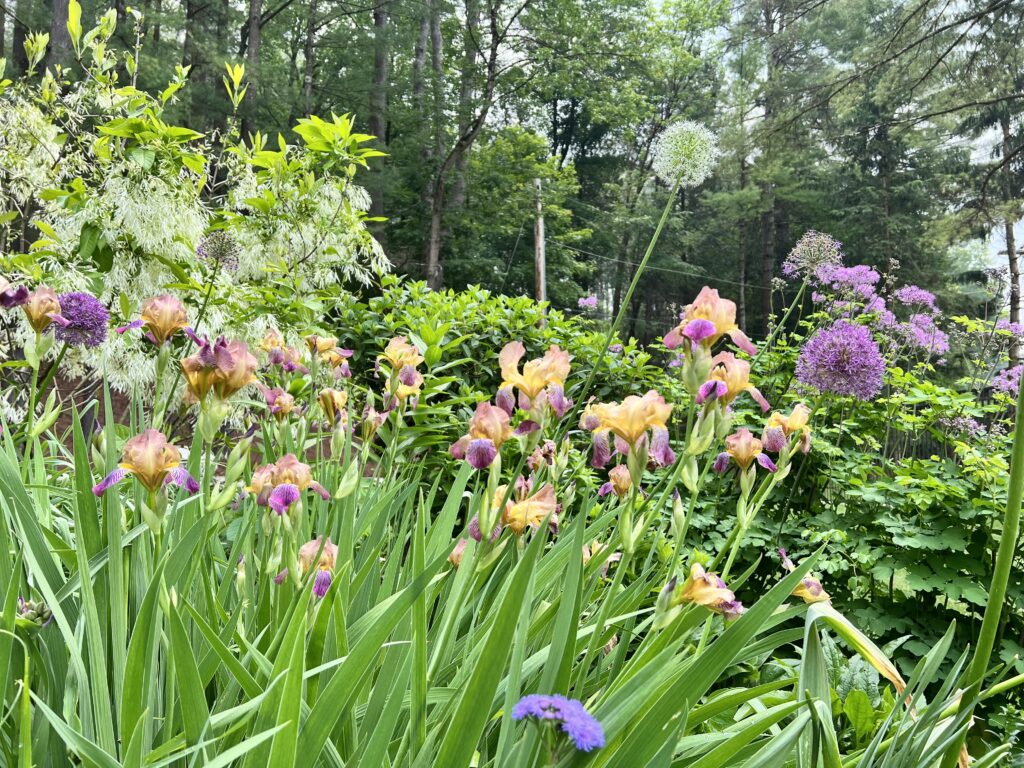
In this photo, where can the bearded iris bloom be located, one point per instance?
(400, 353)
(705, 321)
(162, 317)
(279, 402)
(280, 354)
(42, 308)
(781, 427)
(287, 470)
(526, 509)
(743, 449)
(222, 366)
(488, 430)
(809, 589)
(153, 461)
(728, 379)
(630, 422)
(12, 296)
(708, 589)
(541, 381)
(334, 404)
(321, 555)
(619, 482)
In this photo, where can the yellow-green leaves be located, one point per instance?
(75, 25)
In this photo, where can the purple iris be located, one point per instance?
(282, 497)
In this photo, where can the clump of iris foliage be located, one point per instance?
(250, 518)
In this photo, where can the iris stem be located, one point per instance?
(1000, 576)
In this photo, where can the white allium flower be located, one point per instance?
(686, 152)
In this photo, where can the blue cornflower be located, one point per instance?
(585, 732)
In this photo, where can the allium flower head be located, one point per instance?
(843, 359)
(588, 302)
(87, 320)
(686, 152)
(221, 249)
(1007, 380)
(569, 714)
(919, 298)
(812, 252)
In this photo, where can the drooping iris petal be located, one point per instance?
(601, 453)
(721, 462)
(481, 453)
(698, 330)
(506, 400)
(282, 497)
(112, 479)
(527, 427)
(711, 389)
(321, 582)
(180, 476)
(660, 449)
(766, 461)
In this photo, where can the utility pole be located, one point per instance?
(540, 263)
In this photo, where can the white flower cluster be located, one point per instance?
(29, 150)
(686, 152)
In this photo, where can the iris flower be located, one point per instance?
(42, 308)
(12, 296)
(526, 509)
(708, 589)
(706, 320)
(328, 554)
(630, 421)
(743, 449)
(619, 482)
(728, 379)
(223, 366)
(488, 430)
(287, 470)
(544, 375)
(153, 461)
(780, 428)
(809, 589)
(162, 317)
(334, 403)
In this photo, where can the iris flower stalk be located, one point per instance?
(1000, 575)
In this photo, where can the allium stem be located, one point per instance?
(669, 204)
(1000, 575)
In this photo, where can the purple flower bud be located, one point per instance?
(321, 582)
(721, 462)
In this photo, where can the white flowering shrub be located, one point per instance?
(100, 194)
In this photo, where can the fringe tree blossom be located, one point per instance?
(843, 359)
(743, 449)
(12, 296)
(619, 482)
(42, 308)
(812, 252)
(87, 320)
(488, 430)
(809, 589)
(308, 557)
(569, 715)
(705, 321)
(630, 422)
(153, 461)
(162, 317)
(728, 379)
(686, 152)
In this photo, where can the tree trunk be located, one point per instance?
(3, 34)
(59, 50)
(1011, 246)
(252, 60)
(419, 61)
(18, 55)
(467, 91)
(309, 63)
(744, 228)
(769, 222)
(378, 97)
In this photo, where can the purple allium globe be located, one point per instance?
(87, 318)
(844, 360)
(811, 252)
(586, 733)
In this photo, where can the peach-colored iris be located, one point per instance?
(719, 312)
(529, 511)
(552, 369)
(163, 316)
(795, 423)
(630, 419)
(308, 555)
(41, 308)
(150, 458)
(400, 353)
(334, 402)
(743, 447)
(735, 374)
